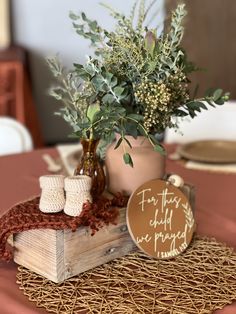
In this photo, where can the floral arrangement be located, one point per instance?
(136, 85)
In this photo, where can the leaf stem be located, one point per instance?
(145, 131)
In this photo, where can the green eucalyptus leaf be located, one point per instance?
(200, 104)
(93, 25)
(160, 149)
(141, 130)
(131, 129)
(118, 142)
(79, 31)
(78, 66)
(210, 102)
(93, 37)
(135, 116)
(128, 160)
(196, 106)
(73, 16)
(81, 71)
(113, 81)
(180, 113)
(108, 99)
(118, 90)
(125, 93)
(92, 111)
(152, 137)
(83, 15)
(56, 94)
(98, 82)
(89, 68)
(120, 110)
(220, 102)
(217, 94)
(192, 114)
(128, 142)
(108, 76)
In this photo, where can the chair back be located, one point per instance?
(14, 137)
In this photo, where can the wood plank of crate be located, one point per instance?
(58, 255)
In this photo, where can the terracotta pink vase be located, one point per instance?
(148, 165)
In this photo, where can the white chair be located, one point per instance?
(217, 123)
(14, 137)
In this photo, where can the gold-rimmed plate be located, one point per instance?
(210, 151)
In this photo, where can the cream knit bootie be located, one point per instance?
(77, 193)
(52, 198)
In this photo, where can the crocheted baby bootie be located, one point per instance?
(52, 198)
(77, 193)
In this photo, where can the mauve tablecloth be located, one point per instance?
(215, 212)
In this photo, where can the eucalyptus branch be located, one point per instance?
(65, 83)
(177, 30)
(138, 84)
(132, 12)
(112, 11)
(141, 15)
(143, 128)
(111, 91)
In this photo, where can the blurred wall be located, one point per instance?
(210, 32)
(44, 29)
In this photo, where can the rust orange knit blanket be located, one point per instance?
(27, 216)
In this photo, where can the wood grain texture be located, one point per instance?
(210, 42)
(38, 251)
(110, 242)
(58, 255)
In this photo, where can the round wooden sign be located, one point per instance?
(160, 219)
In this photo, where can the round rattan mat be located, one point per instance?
(200, 280)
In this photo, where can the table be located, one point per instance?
(215, 212)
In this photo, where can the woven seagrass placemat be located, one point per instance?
(200, 280)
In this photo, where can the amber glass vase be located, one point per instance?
(91, 166)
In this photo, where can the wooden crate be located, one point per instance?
(58, 255)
